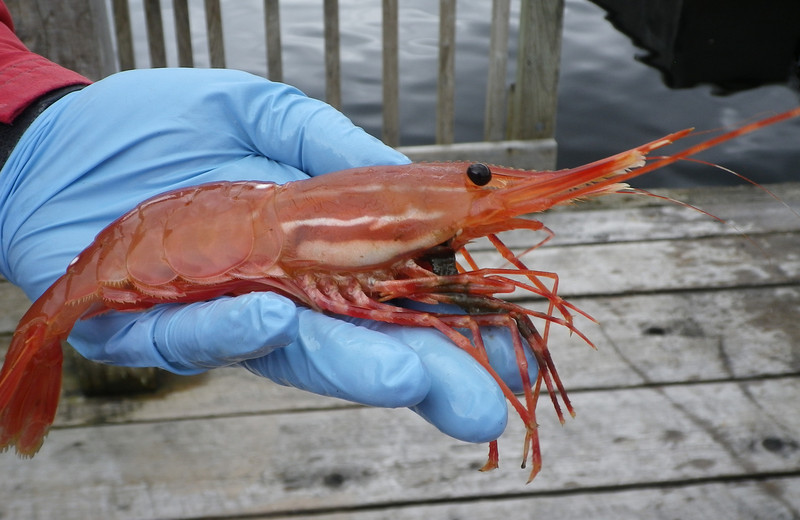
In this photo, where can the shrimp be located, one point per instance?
(348, 243)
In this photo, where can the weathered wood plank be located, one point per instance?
(496, 99)
(538, 154)
(155, 33)
(769, 499)
(272, 25)
(333, 74)
(445, 91)
(216, 45)
(745, 211)
(124, 34)
(361, 457)
(683, 337)
(183, 33)
(637, 267)
(654, 223)
(391, 73)
(533, 104)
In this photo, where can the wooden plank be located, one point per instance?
(372, 457)
(682, 337)
(183, 33)
(533, 111)
(733, 196)
(539, 154)
(155, 33)
(391, 74)
(670, 265)
(766, 499)
(333, 75)
(122, 25)
(445, 92)
(216, 46)
(615, 222)
(496, 107)
(272, 25)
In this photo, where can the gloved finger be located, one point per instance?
(464, 400)
(503, 358)
(225, 114)
(188, 339)
(291, 128)
(339, 359)
(498, 344)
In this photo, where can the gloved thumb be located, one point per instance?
(224, 331)
(192, 338)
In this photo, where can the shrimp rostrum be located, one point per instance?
(347, 243)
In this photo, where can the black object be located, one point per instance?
(732, 44)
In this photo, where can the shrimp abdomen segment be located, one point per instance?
(203, 235)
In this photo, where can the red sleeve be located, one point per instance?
(25, 76)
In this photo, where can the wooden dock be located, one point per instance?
(688, 409)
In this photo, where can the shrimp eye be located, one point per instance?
(479, 174)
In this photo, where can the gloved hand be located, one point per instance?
(98, 152)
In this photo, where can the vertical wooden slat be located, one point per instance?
(73, 33)
(333, 81)
(391, 109)
(122, 28)
(496, 107)
(155, 33)
(445, 105)
(534, 100)
(183, 33)
(272, 24)
(216, 48)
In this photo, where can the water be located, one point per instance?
(608, 101)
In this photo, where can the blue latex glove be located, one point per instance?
(97, 153)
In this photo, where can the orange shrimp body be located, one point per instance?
(345, 242)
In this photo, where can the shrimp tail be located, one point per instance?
(30, 384)
(30, 380)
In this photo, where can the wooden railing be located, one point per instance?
(519, 122)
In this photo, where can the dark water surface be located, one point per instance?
(607, 100)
